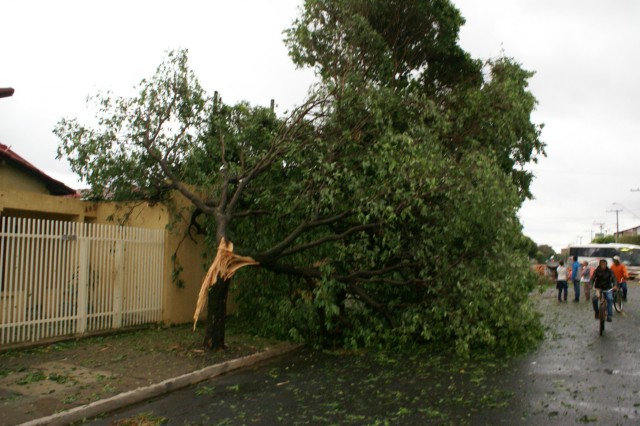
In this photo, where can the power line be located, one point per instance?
(628, 209)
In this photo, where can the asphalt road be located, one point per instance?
(574, 377)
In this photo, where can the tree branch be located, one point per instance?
(148, 142)
(359, 275)
(247, 213)
(299, 230)
(280, 268)
(334, 237)
(373, 303)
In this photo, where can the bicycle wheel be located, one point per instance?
(617, 301)
(603, 314)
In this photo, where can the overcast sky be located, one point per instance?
(585, 55)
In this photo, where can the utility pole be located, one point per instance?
(617, 227)
(601, 225)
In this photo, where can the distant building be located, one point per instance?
(629, 232)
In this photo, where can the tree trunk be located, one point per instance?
(216, 315)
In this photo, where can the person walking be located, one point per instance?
(603, 279)
(575, 277)
(585, 278)
(561, 281)
(622, 275)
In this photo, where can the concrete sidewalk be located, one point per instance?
(67, 381)
(147, 392)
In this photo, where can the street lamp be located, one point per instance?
(5, 92)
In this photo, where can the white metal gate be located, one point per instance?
(67, 278)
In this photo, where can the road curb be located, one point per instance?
(140, 394)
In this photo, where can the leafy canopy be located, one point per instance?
(382, 210)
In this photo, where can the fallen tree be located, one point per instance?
(396, 182)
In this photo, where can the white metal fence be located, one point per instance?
(66, 278)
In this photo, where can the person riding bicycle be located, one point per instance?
(603, 279)
(620, 271)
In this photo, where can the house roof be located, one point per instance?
(55, 187)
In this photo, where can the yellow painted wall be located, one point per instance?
(179, 302)
(38, 205)
(16, 179)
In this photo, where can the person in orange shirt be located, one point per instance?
(620, 271)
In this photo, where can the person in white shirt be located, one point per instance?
(585, 273)
(561, 282)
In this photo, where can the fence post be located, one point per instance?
(118, 278)
(83, 279)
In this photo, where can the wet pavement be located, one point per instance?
(577, 376)
(574, 377)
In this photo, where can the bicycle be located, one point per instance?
(617, 300)
(602, 309)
